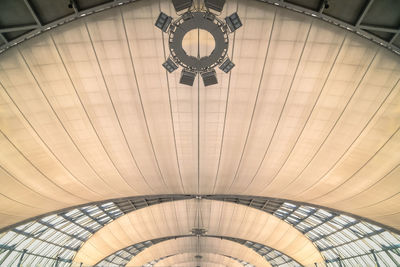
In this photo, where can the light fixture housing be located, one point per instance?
(194, 18)
(233, 22)
(169, 65)
(180, 5)
(209, 78)
(163, 21)
(187, 77)
(216, 5)
(227, 65)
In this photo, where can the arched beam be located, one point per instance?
(180, 217)
(272, 256)
(201, 244)
(215, 258)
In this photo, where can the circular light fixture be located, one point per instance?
(198, 20)
(202, 19)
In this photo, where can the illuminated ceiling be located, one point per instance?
(310, 114)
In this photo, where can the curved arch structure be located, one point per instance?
(310, 114)
(336, 235)
(310, 159)
(185, 258)
(199, 245)
(180, 217)
(205, 264)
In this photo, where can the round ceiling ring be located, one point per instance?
(198, 20)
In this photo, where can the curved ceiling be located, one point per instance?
(184, 258)
(310, 113)
(200, 245)
(205, 264)
(56, 238)
(180, 217)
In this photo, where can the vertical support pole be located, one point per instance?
(81, 264)
(340, 262)
(56, 263)
(21, 258)
(375, 258)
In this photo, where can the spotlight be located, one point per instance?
(216, 5)
(169, 65)
(187, 77)
(209, 78)
(71, 4)
(180, 5)
(163, 21)
(326, 4)
(227, 65)
(233, 22)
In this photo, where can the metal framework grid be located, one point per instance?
(152, 263)
(122, 257)
(386, 36)
(343, 240)
(274, 257)
(53, 240)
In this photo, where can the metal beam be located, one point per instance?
(364, 12)
(19, 28)
(322, 6)
(378, 28)
(34, 15)
(2, 37)
(394, 36)
(237, 240)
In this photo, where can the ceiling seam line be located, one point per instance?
(376, 203)
(34, 166)
(115, 113)
(62, 124)
(44, 144)
(336, 122)
(170, 109)
(140, 98)
(226, 109)
(255, 102)
(354, 141)
(27, 121)
(284, 104)
(363, 165)
(311, 112)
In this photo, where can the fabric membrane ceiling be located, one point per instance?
(310, 113)
(187, 259)
(180, 217)
(200, 245)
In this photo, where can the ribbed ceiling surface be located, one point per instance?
(199, 245)
(180, 217)
(188, 259)
(310, 113)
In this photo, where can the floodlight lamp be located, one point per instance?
(199, 231)
(194, 18)
(216, 5)
(227, 65)
(209, 78)
(169, 65)
(163, 21)
(233, 22)
(180, 5)
(187, 77)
